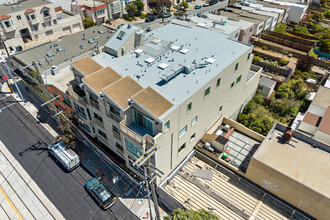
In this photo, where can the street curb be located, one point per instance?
(29, 182)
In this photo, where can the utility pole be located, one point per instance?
(163, 11)
(150, 176)
(9, 58)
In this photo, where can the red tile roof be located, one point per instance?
(325, 123)
(58, 9)
(44, 8)
(96, 8)
(30, 10)
(312, 119)
(4, 17)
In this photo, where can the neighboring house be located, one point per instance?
(274, 15)
(266, 86)
(116, 8)
(317, 117)
(35, 20)
(294, 167)
(94, 10)
(55, 58)
(162, 89)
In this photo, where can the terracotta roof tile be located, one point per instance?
(30, 10)
(312, 119)
(325, 123)
(4, 17)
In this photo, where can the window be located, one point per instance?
(220, 109)
(250, 30)
(133, 148)
(182, 131)
(189, 107)
(115, 129)
(84, 126)
(55, 95)
(49, 32)
(35, 27)
(18, 17)
(66, 100)
(98, 117)
(183, 146)
(238, 79)
(114, 110)
(102, 134)
(93, 129)
(28, 18)
(236, 35)
(2, 25)
(207, 91)
(93, 99)
(167, 125)
(232, 84)
(33, 16)
(89, 114)
(143, 121)
(249, 56)
(54, 21)
(194, 120)
(119, 146)
(192, 137)
(236, 67)
(218, 82)
(79, 110)
(46, 13)
(8, 24)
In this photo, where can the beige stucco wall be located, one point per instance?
(322, 137)
(308, 128)
(304, 198)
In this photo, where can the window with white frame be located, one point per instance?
(194, 120)
(133, 148)
(167, 126)
(182, 131)
(182, 147)
(143, 121)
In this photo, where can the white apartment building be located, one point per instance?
(164, 88)
(116, 8)
(35, 20)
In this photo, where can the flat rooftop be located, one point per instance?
(59, 80)
(297, 160)
(232, 16)
(322, 97)
(261, 12)
(89, 3)
(166, 61)
(243, 24)
(63, 50)
(225, 27)
(244, 13)
(282, 4)
(23, 5)
(263, 7)
(223, 192)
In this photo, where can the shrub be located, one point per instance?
(301, 30)
(327, 14)
(283, 62)
(107, 21)
(130, 19)
(281, 29)
(134, 18)
(257, 54)
(143, 15)
(264, 47)
(184, 4)
(88, 23)
(257, 58)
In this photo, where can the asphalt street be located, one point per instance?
(27, 141)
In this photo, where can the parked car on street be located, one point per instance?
(150, 19)
(167, 15)
(64, 155)
(99, 193)
(206, 4)
(198, 6)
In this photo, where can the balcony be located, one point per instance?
(34, 21)
(77, 93)
(47, 17)
(113, 117)
(137, 133)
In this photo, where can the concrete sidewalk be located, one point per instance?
(20, 197)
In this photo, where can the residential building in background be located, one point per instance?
(266, 86)
(54, 59)
(274, 15)
(94, 10)
(163, 90)
(35, 20)
(116, 8)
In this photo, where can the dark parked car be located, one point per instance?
(99, 193)
(167, 15)
(150, 19)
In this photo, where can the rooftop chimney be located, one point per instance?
(288, 135)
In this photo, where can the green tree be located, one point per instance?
(88, 23)
(324, 43)
(258, 98)
(304, 63)
(327, 14)
(285, 107)
(318, 16)
(284, 91)
(184, 4)
(301, 30)
(180, 214)
(68, 135)
(283, 62)
(139, 5)
(131, 9)
(281, 29)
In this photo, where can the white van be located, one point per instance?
(67, 157)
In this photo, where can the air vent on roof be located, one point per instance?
(149, 60)
(101, 31)
(60, 49)
(184, 51)
(50, 54)
(91, 41)
(163, 66)
(210, 60)
(175, 48)
(156, 41)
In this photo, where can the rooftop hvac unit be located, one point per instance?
(227, 128)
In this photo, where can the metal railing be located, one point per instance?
(81, 99)
(113, 117)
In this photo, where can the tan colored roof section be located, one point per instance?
(102, 78)
(87, 65)
(325, 123)
(151, 100)
(322, 97)
(122, 90)
(312, 119)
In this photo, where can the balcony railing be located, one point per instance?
(76, 93)
(113, 117)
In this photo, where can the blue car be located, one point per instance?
(99, 193)
(198, 6)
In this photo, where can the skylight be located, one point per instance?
(184, 51)
(210, 60)
(156, 41)
(101, 31)
(121, 35)
(149, 60)
(50, 54)
(60, 49)
(91, 41)
(163, 66)
(176, 48)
